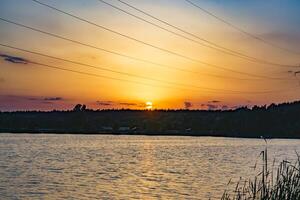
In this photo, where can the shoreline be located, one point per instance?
(146, 134)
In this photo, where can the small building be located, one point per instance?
(188, 130)
(107, 128)
(124, 129)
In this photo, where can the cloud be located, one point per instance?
(47, 102)
(2, 80)
(13, 59)
(120, 104)
(224, 107)
(214, 101)
(187, 105)
(53, 99)
(128, 104)
(104, 103)
(20, 102)
(211, 106)
(30, 98)
(48, 99)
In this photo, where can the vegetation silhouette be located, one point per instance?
(273, 121)
(280, 183)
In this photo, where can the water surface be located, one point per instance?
(127, 167)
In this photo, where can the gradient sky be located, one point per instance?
(26, 86)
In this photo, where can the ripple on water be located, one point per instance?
(127, 167)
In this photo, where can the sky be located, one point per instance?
(121, 61)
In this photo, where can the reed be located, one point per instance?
(282, 183)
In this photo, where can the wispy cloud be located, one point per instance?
(119, 104)
(212, 107)
(128, 104)
(14, 59)
(23, 102)
(187, 105)
(104, 103)
(224, 107)
(53, 99)
(48, 99)
(214, 101)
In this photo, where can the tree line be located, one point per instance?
(273, 121)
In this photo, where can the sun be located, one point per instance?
(149, 105)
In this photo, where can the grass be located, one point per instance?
(282, 183)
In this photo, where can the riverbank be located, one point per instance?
(274, 121)
(145, 134)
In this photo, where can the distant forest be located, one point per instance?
(273, 121)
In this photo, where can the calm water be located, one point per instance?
(127, 167)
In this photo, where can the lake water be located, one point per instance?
(127, 167)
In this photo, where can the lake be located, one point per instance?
(46, 166)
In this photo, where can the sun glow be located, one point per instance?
(149, 105)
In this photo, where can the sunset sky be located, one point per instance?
(154, 66)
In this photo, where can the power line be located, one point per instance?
(214, 45)
(107, 69)
(130, 57)
(123, 73)
(240, 29)
(147, 44)
(137, 82)
(93, 74)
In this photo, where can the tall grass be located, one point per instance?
(282, 183)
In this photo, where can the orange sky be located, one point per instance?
(173, 84)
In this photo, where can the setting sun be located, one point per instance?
(149, 105)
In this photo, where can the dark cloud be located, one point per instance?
(211, 106)
(13, 59)
(44, 99)
(214, 101)
(20, 102)
(32, 98)
(53, 99)
(128, 104)
(2, 80)
(104, 103)
(115, 103)
(187, 105)
(47, 102)
(224, 107)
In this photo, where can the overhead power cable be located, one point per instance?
(210, 90)
(133, 58)
(240, 29)
(148, 44)
(211, 45)
(108, 69)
